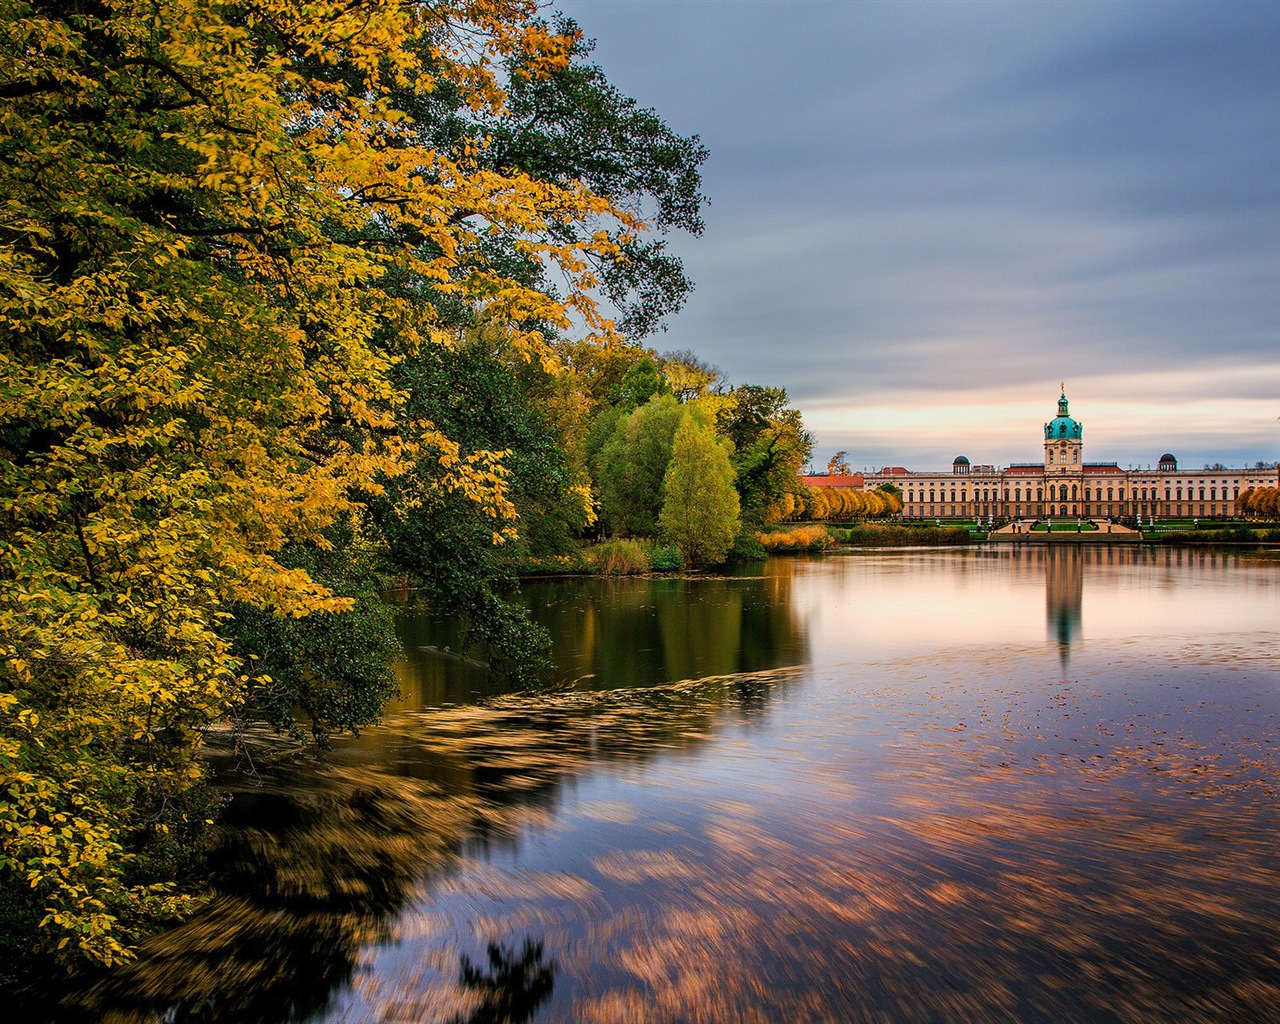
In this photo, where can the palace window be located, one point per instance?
(1110, 493)
(1213, 494)
(1039, 494)
(1122, 494)
(1202, 494)
(1050, 455)
(1073, 492)
(1075, 455)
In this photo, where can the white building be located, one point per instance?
(1064, 484)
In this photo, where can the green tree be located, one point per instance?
(770, 446)
(331, 670)
(699, 502)
(634, 463)
(455, 551)
(642, 381)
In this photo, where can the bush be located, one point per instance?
(802, 538)
(746, 548)
(664, 557)
(896, 535)
(1234, 534)
(621, 558)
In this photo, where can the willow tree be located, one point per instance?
(217, 230)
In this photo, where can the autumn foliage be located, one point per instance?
(220, 234)
(833, 503)
(798, 538)
(1259, 501)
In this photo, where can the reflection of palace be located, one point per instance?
(1064, 594)
(1063, 484)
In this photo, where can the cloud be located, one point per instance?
(954, 206)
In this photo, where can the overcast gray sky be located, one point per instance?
(924, 216)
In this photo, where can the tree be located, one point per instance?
(892, 494)
(450, 549)
(633, 465)
(837, 465)
(690, 377)
(331, 668)
(699, 502)
(818, 505)
(642, 381)
(221, 232)
(770, 446)
(571, 125)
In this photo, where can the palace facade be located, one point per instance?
(1065, 485)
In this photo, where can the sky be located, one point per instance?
(925, 217)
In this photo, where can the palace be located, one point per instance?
(1064, 484)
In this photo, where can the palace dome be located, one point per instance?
(1063, 427)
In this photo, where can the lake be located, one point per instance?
(986, 784)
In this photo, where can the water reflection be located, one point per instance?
(511, 988)
(929, 821)
(1064, 594)
(320, 855)
(616, 633)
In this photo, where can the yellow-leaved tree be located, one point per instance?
(218, 233)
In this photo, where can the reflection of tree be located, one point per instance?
(613, 633)
(512, 988)
(319, 858)
(311, 866)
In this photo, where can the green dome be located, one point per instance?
(1062, 426)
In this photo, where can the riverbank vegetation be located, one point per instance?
(1221, 533)
(902, 535)
(296, 300)
(796, 539)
